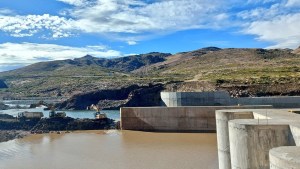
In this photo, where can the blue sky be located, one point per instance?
(39, 30)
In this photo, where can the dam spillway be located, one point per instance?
(252, 133)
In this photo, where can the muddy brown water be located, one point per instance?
(111, 150)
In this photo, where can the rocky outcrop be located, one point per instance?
(6, 135)
(67, 124)
(145, 97)
(132, 96)
(8, 122)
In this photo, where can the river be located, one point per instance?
(112, 114)
(111, 150)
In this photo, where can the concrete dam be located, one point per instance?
(252, 133)
(176, 119)
(222, 98)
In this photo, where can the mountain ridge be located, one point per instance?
(125, 64)
(266, 71)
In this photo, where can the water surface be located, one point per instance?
(111, 150)
(112, 114)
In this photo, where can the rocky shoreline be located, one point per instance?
(6, 135)
(12, 128)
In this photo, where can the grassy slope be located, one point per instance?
(228, 67)
(259, 71)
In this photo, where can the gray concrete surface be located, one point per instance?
(285, 158)
(222, 119)
(222, 98)
(246, 142)
(195, 119)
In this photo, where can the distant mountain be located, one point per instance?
(257, 71)
(88, 65)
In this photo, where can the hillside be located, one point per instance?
(297, 51)
(87, 65)
(243, 72)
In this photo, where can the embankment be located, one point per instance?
(6, 135)
(131, 96)
(11, 128)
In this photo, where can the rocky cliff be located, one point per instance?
(131, 96)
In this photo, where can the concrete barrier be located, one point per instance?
(194, 119)
(246, 143)
(287, 157)
(222, 98)
(176, 99)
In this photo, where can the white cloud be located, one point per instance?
(74, 2)
(120, 19)
(282, 30)
(260, 1)
(293, 3)
(21, 26)
(262, 13)
(27, 53)
(131, 21)
(4, 11)
(134, 17)
(131, 42)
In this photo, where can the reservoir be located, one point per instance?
(111, 149)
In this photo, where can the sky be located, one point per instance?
(42, 30)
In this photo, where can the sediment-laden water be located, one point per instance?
(111, 150)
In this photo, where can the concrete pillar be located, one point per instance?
(222, 118)
(285, 158)
(250, 143)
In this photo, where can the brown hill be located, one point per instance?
(260, 71)
(297, 51)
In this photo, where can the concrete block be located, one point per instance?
(285, 158)
(250, 143)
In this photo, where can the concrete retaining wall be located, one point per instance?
(175, 99)
(276, 102)
(173, 118)
(222, 98)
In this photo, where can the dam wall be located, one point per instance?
(194, 119)
(176, 99)
(222, 98)
(257, 139)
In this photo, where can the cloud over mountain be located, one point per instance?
(17, 54)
